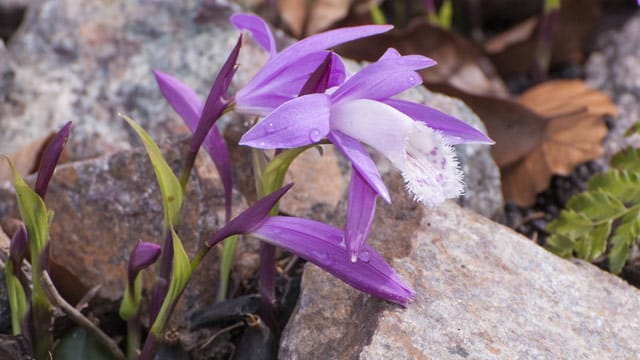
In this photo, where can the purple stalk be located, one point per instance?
(50, 158)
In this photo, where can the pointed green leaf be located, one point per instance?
(622, 184)
(627, 159)
(597, 205)
(33, 212)
(560, 245)
(18, 302)
(169, 184)
(179, 279)
(570, 224)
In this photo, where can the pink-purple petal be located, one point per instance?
(361, 161)
(322, 245)
(258, 28)
(454, 131)
(182, 99)
(299, 122)
(361, 210)
(383, 79)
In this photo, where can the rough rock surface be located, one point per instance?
(483, 292)
(6, 72)
(102, 207)
(615, 68)
(88, 61)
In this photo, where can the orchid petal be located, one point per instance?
(338, 71)
(383, 79)
(249, 219)
(453, 130)
(258, 28)
(143, 255)
(50, 157)
(182, 99)
(299, 122)
(361, 209)
(274, 86)
(322, 245)
(361, 161)
(216, 102)
(188, 105)
(431, 173)
(374, 123)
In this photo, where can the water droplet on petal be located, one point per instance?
(314, 135)
(412, 80)
(325, 258)
(364, 256)
(270, 127)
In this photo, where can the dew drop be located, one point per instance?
(325, 258)
(412, 80)
(364, 256)
(314, 135)
(270, 127)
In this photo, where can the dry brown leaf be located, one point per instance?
(573, 135)
(305, 18)
(516, 130)
(460, 62)
(519, 33)
(293, 13)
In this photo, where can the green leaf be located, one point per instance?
(33, 213)
(598, 206)
(624, 236)
(80, 345)
(377, 16)
(179, 279)
(627, 159)
(571, 225)
(226, 261)
(622, 184)
(18, 302)
(169, 184)
(445, 14)
(131, 300)
(273, 175)
(596, 241)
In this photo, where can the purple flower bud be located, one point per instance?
(144, 254)
(18, 247)
(250, 218)
(50, 158)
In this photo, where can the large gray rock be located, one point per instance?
(615, 68)
(483, 292)
(88, 61)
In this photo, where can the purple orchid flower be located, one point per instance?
(201, 118)
(283, 76)
(415, 138)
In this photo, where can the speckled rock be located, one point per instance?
(6, 71)
(88, 61)
(482, 292)
(614, 67)
(102, 207)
